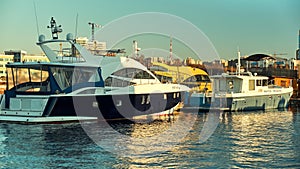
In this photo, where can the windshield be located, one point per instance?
(28, 79)
(51, 79)
(69, 76)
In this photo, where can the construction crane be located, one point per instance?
(93, 25)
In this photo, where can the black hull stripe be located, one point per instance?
(111, 107)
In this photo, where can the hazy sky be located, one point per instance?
(265, 26)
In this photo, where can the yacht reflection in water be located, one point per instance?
(260, 137)
(252, 139)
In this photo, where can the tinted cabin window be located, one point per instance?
(198, 78)
(164, 79)
(265, 82)
(190, 79)
(113, 82)
(133, 73)
(28, 79)
(68, 76)
(258, 82)
(142, 75)
(158, 68)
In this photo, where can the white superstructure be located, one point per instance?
(245, 91)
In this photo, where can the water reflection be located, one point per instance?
(241, 139)
(260, 138)
(141, 139)
(2, 146)
(44, 146)
(153, 154)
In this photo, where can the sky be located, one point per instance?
(253, 26)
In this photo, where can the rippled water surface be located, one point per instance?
(188, 140)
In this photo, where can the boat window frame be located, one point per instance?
(133, 73)
(115, 82)
(65, 78)
(265, 82)
(10, 78)
(47, 83)
(164, 79)
(251, 84)
(231, 84)
(259, 82)
(27, 84)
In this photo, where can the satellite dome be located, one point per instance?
(41, 38)
(69, 36)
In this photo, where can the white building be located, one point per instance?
(14, 55)
(4, 59)
(96, 47)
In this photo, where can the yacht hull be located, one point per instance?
(111, 106)
(254, 102)
(60, 108)
(197, 100)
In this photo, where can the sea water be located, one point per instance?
(261, 139)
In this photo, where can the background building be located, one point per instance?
(17, 56)
(4, 59)
(96, 47)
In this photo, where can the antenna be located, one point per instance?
(76, 26)
(171, 53)
(298, 50)
(36, 19)
(239, 62)
(54, 28)
(299, 40)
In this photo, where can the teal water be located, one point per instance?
(231, 140)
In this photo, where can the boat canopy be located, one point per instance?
(49, 78)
